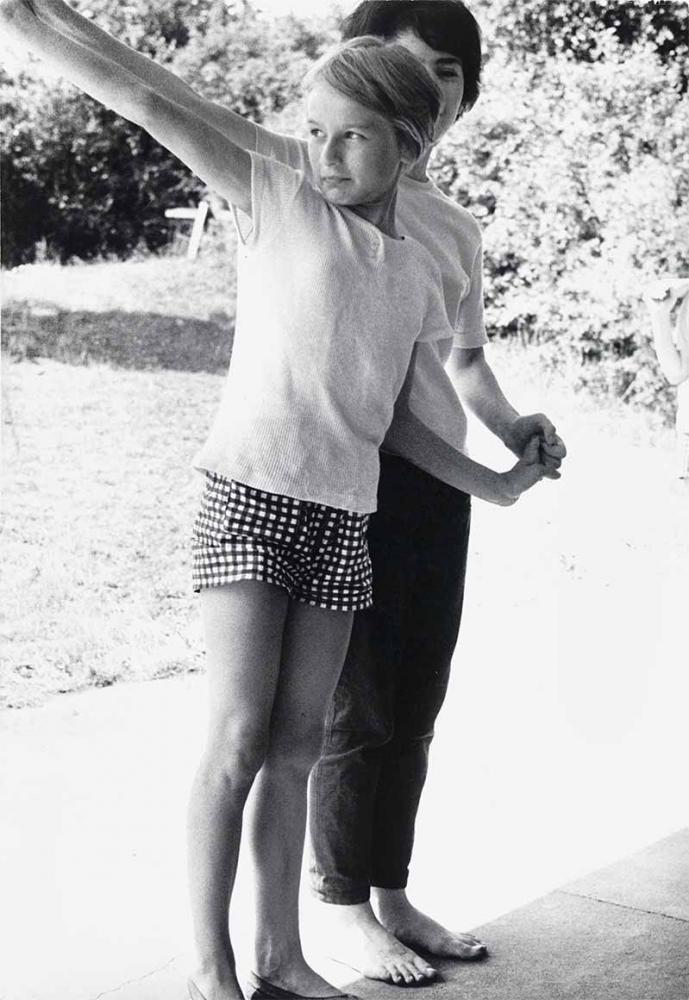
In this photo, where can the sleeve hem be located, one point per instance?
(467, 339)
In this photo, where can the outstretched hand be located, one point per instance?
(551, 447)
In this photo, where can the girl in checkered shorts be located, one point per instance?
(331, 303)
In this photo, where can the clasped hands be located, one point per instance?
(551, 448)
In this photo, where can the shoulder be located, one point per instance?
(427, 203)
(285, 148)
(273, 177)
(282, 198)
(459, 217)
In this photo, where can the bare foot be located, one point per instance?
(415, 929)
(361, 942)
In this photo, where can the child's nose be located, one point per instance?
(331, 151)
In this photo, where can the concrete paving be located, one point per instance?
(93, 791)
(569, 945)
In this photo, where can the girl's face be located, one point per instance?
(354, 153)
(447, 72)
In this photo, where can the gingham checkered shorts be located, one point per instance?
(318, 554)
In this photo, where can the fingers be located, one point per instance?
(556, 449)
(531, 454)
(551, 456)
(538, 423)
(544, 427)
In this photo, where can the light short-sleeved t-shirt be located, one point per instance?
(329, 309)
(453, 237)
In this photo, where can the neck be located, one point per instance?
(381, 213)
(418, 171)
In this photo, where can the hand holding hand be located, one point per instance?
(552, 448)
(528, 471)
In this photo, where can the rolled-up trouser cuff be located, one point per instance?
(338, 891)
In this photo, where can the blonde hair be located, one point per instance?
(386, 79)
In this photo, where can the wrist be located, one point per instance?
(507, 432)
(506, 491)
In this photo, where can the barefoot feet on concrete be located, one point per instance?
(416, 930)
(358, 940)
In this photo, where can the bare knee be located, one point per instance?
(235, 755)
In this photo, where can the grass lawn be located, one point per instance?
(99, 493)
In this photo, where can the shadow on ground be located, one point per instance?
(138, 340)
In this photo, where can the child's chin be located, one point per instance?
(335, 197)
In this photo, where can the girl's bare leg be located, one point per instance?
(313, 653)
(243, 624)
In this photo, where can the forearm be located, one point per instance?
(213, 157)
(71, 24)
(412, 440)
(480, 392)
(673, 363)
(82, 65)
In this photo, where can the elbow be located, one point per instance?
(145, 108)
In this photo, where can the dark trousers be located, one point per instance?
(365, 789)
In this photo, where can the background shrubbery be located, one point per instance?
(575, 159)
(86, 183)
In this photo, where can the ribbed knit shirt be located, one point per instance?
(329, 309)
(453, 237)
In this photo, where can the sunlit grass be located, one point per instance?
(99, 494)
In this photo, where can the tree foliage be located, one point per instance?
(87, 183)
(577, 161)
(576, 158)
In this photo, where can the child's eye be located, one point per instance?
(353, 135)
(315, 132)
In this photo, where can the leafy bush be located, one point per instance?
(575, 159)
(90, 184)
(578, 168)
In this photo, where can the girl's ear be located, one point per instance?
(407, 155)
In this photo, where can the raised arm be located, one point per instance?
(217, 160)
(66, 20)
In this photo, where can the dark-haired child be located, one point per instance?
(332, 300)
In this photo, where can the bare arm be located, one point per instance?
(212, 156)
(63, 18)
(673, 357)
(479, 390)
(410, 438)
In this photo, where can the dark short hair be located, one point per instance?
(445, 25)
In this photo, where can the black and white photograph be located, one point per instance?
(345, 500)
